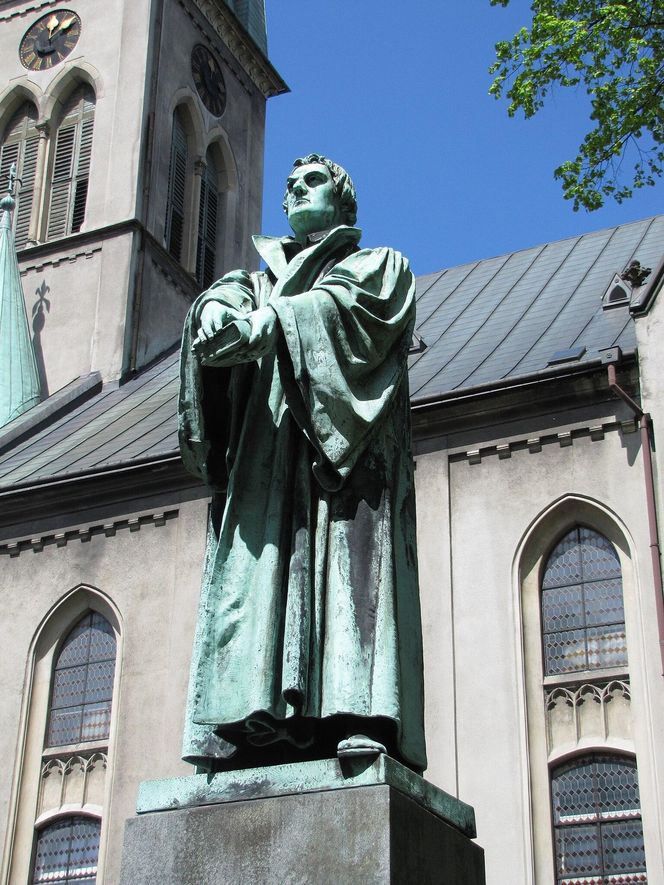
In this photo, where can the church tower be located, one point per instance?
(137, 129)
(134, 132)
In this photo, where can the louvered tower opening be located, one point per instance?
(177, 178)
(71, 165)
(20, 145)
(208, 223)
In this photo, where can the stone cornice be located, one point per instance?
(24, 10)
(258, 68)
(85, 533)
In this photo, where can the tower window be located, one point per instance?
(583, 620)
(67, 851)
(71, 165)
(177, 180)
(83, 684)
(597, 821)
(206, 246)
(20, 146)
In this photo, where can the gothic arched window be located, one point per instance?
(206, 246)
(597, 821)
(67, 851)
(20, 146)
(177, 183)
(82, 692)
(583, 620)
(70, 172)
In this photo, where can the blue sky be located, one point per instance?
(398, 94)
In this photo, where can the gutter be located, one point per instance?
(119, 468)
(646, 430)
(514, 382)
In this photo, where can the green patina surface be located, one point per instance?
(294, 406)
(19, 379)
(303, 777)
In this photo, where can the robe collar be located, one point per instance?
(276, 252)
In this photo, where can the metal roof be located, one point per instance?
(501, 317)
(483, 323)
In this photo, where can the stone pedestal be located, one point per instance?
(315, 822)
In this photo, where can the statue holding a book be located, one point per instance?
(294, 408)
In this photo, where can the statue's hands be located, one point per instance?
(227, 337)
(263, 329)
(214, 317)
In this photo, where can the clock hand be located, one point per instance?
(52, 24)
(63, 25)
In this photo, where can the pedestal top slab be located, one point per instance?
(303, 777)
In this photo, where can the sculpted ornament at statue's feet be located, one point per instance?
(359, 745)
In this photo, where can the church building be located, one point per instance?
(132, 137)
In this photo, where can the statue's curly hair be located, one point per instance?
(343, 186)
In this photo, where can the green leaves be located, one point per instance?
(615, 51)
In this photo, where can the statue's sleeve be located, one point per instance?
(347, 343)
(206, 402)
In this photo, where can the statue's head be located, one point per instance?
(319, 195)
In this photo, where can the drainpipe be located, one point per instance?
(645, 426)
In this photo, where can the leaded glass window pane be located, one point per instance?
(83, 684)
(583, 620)
(597, 821)
(67, 851)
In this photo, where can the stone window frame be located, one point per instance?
(531, 556)
(24, 818)
(204, 148)
(21, 132)
(50, 105)
(67, 191)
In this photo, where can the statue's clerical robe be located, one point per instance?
(309, 618)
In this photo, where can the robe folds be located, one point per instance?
(309, 620)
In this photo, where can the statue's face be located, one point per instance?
(311, 203)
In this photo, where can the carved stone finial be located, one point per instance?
(635, 274)
(7, 203)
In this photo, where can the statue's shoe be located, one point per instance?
(261, 731)
(359, 745)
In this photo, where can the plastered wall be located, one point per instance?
(485, 729)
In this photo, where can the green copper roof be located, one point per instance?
(19, 380)
(251, 14)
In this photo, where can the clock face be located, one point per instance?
(208, 79)
(50, 39)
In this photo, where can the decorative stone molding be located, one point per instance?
(576, 695)
(83, 534)
(69, 258)
(261, 72)
(573, 712)
(71, 780)
(28, 10)
(534, 444)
